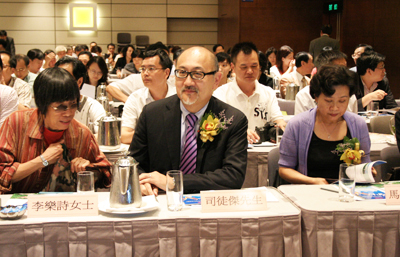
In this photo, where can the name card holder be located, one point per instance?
(392, 193)
(62, 205)
(233, 200)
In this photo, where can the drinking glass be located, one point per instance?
(374, 109)
(347, 183)
(392, 126)
(174, 190)
(85, 182)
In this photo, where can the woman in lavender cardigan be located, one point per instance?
(306, 149)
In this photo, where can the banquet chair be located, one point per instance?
(142, 41)
(287, 106)
(123, 39)
(390, 155)
(380, 124)
(273, 169)
(397, 102)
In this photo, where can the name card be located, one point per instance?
(392, 193)
(62, 205)
(233, 200)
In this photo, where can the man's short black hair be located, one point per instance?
(157, 45)
(3, 33)
(87, 53)
(301, 56)
(330, 76)
(165, 61)
(48, 51)
(216, 46)
(35, 54)
(110, 44)
(54, 85)
(326, 29)
(328, 57)
(246, 47)
(368, 60)
(16, 58)
(3, 43)
(78, 68)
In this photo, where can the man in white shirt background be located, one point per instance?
(155, 70)
(255, 100)
(304, 66)
(8, 99)
(36, 57)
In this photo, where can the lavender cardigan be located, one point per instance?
(297, 137)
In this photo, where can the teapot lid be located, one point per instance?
(109, 117)
(126, 160)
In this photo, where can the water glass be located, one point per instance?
(374, 109)
(85, 182)
(347, 183)
(174, 190)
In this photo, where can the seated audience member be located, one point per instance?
(271, 57)
(23, 89)
(304, 101)
(262, 76)
(89, 110)
(360, 49)
(8, 99)
(154, 71)
(41, 144)
(20, 66)
(3, 45)
(85, 57)
(304, 66)
(92, 44)
(61, 51)
(373, 84)
(10, 46)
(70, 51)
(218, 48)
(49, 59)
(80, 48)
(256, 101)
(224, 62)
(126, 57)
(36, 57)
(284, 62)
(207, 165)
(96, 50)
(307, 148)
(111, 54)
(96, 72)
(137, 59)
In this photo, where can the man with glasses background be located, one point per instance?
(154, 71)
(256, 101)
(167, 133)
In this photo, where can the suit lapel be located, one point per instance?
(172, 121)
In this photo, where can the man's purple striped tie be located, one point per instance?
(189, 155)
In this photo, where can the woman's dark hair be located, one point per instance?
(96, 49)
(138, 54)
(221, 57)
(103, 67)
(283, 52)
(262, 60)
(270, 51)
(54, 85)
(329, 76)
(125, 50)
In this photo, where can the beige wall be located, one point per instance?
(43, 23)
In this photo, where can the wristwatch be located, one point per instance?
(44, 161)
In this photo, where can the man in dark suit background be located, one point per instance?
(160, 134)
(10, 47)
(324, 40)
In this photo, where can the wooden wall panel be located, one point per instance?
(192, 11)
(228, 22)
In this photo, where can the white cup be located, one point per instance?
(174, 190)
(346, 184)
(85, 182)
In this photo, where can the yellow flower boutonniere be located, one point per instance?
(350, 149)
(210, 125)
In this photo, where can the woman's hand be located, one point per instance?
(79, 164)
(319, 181)
(53, 152)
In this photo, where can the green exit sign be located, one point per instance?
(333, 7)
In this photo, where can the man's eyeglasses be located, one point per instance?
(20, 70)
(149, 69)
(64, 108)
(197, 75)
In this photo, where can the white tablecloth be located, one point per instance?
(331, 228)
(275, 232)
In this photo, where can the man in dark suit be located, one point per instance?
(160, 135)
(10, 47)
(324, 40)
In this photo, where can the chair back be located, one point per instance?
(273, 169)
(142, 41)
(124, 38)
(287, 106)
(391, 155)
(380, 124)
(398, 102)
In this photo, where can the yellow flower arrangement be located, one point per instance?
(351, 151)
(210, 125)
